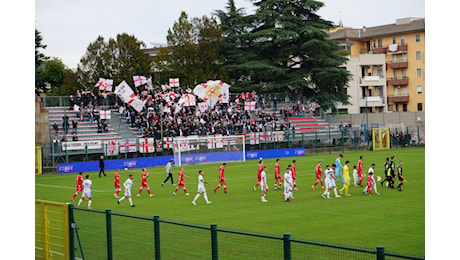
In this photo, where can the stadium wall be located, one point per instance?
(409, 119)
(64, 168)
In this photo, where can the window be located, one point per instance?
(397, 107)
(418, 55)
(395, 58)
(404, 107)
(419, 107)
(404, 73)
(403, 40)
(419, 89)
(403, 57)
(380, 44)
(393, 41)
(396, 91)
(395, 74)
(373, 44)
(417, 37)
(419, 73)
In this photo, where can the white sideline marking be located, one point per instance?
(55, 252)
(64, 187)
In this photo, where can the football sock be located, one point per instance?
(205, 197)
(79, 202)
(335, 191)
(89, 203)
(176, 189)
(196, 197)
(75, 195)
(314, 184)
(217, 187)
(130, 201)
(185, 190)
(225, 188)
(148, 191)
(122, 199)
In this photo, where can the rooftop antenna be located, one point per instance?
(340, 19)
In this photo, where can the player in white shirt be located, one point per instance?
(263, 184)
(330, 180)
(128, 184)
(373, 180)
(355, 176)
(87, 185)
(201, 189)
(288, 185)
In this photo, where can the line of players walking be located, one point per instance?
(332, 174)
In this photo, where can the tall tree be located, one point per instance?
(118, 59)
(193, 53)
(286, 48)
(39, 59)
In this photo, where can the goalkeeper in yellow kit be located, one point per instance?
(346, 178)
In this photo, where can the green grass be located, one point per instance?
(393, 219)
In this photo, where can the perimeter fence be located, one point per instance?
(97, 234)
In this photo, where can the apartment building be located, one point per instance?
(388, 66)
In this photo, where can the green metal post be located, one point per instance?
(355, 140)
(214, 249)
(71, 233)
(108, 223)
(156, 230)
(418, 136)
(287, 246)
(66, 155)
(86, 152)
(303, 142)
(289, 137)
(380, 253)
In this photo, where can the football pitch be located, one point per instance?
(393, 219)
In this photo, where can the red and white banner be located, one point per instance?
(149, 84)
(173, 95)
(146, 145)
(189, 100)
(167, 142)
(111, 148)
(164, 87)
(174, 82)
(128, 145)
(203, 107)
(104, 84)
(105, 114)
(139, 81)
(211, 91)
(254, 138)
(278, 136)
(266, 136)
(124, 91)
(249, 105)
(217, 142)
(158, 145)
(225, 98)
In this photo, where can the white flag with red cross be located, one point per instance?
(146, 145)
(266, 136)
(105, 114)
(149, 84)
(111, 148)
(249, 105)
(128, 145)
(211, 91)
(167, 142)
(139, 81)
(217, 142)
(164, 87)
(104, 84)
(174, 82)
(254, 138)
(278, 136)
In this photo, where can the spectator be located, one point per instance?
(56, 128)
(74, 126)
(74, 137)
(65, 123)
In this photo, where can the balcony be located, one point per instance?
(397, 48)
(372, 81)
(397, 64)
(398, 98)
(379, 50)
(398, 82)
(373, 101)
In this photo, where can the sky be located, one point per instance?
(68, 27)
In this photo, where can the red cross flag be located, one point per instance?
(174, 82)
(167, 142)
(146, 145)
(250, 105)
(266, 136)
(128, 145)
(211, 91)
(105, 114)
(164, 87)
(254, 138)
(104, 84)
(139, 80)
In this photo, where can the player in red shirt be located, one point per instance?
(181, 182)
(221, 178)
(294, 175)
(370, 183)
(79, 182)
(360, 170)
(278, 177)
(319, 177)
(117, 183)
(144, 184)
(260, 168)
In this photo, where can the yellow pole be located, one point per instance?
(38, 156)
